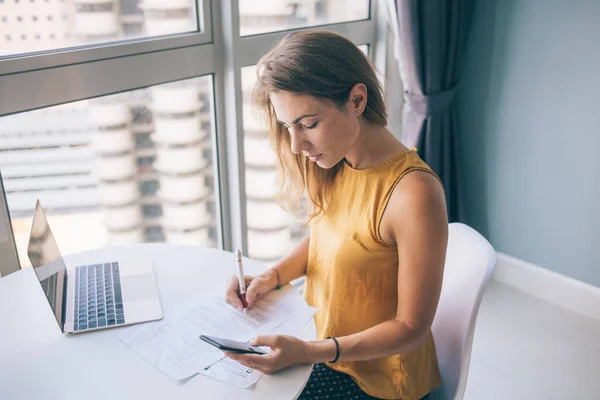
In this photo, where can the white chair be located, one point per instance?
(470, 261)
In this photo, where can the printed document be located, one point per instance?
(234, 373)
(173, 345)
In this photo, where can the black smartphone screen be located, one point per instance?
(232, 345)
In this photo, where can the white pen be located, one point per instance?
(242, 281)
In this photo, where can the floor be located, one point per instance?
(528, 349)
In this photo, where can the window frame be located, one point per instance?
(19, 63)
(219, 51)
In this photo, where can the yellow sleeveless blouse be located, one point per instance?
(352, 278)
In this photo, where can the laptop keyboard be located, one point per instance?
(49, 286)
(98, 296)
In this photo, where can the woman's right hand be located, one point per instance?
(256, 288)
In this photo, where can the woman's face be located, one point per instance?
(318, 128)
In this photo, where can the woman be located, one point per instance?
(375, 254)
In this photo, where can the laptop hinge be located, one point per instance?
(64, 303)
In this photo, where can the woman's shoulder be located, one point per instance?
(417, 198)
(417, 171)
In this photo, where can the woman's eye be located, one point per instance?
(312, 126)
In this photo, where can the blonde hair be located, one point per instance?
(324, 65)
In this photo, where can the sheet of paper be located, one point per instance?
(234, 373)
(214, 317)
(169, 347)
(173, 345)
(294, 326)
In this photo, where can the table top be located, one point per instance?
(38, 361)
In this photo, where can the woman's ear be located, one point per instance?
(358, 98)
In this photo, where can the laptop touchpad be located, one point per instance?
(138, 287)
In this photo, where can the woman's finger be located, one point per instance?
(251, 292)
(231, 293)
(255, 291)
(272, 341)
(249, 359)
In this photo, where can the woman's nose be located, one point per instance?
(297, 141)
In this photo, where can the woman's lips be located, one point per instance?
(315, 158)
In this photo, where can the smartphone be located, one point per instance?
(232, 346)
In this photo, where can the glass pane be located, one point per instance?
(126, 168)
(276, 15)
(272, 232)
(35, 25)
(364, 48)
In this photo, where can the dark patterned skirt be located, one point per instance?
(326, 383)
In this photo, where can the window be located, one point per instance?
(130, 125)
(267, 16)
(271, 231)
(96, 21)
(119, 169)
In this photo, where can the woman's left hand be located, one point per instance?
(285, 351)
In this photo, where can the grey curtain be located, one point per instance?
(432, 39)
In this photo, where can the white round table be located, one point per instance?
(37, 361)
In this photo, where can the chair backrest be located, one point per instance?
(470, 261)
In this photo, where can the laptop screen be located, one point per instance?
(47, 262)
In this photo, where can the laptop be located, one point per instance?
(104, 294)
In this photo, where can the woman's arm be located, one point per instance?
(292, 266)
(417, 222)
(289, 268)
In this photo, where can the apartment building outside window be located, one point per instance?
(131, 120)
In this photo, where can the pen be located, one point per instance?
(242, 281)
